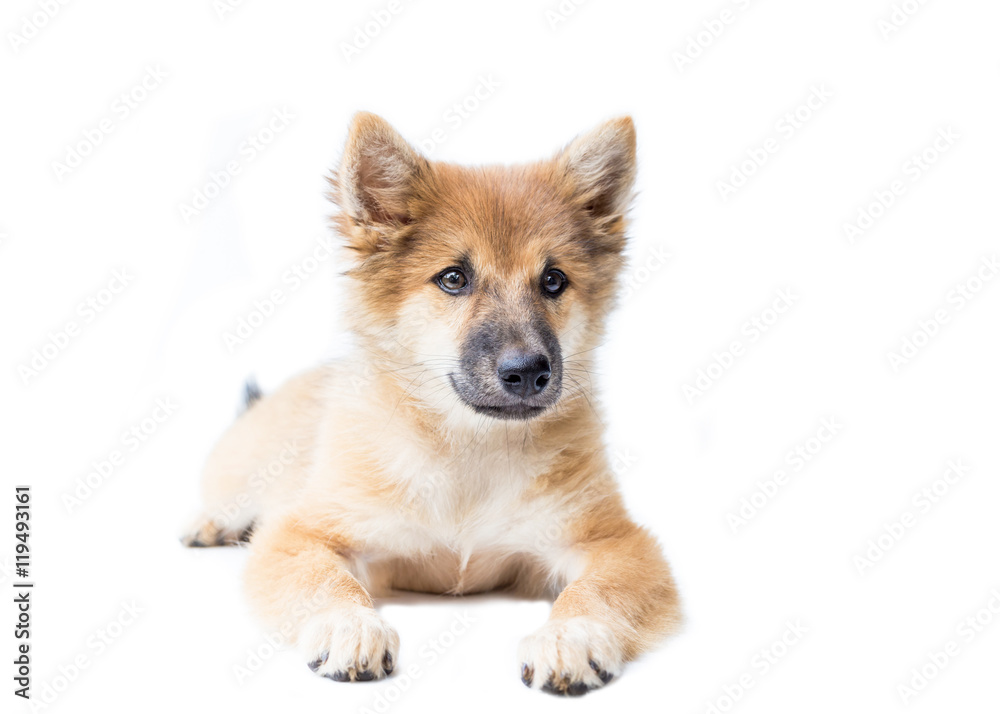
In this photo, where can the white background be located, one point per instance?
(686, 464)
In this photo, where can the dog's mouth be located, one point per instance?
(521, 410)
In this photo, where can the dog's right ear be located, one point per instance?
(375, 182)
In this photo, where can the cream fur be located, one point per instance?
(369, 475)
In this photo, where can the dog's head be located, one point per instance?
(486, 285)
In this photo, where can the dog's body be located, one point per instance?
(459, 451)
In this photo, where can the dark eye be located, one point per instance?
(452, 280)
(554, 282)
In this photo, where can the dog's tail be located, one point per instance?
(251, 394)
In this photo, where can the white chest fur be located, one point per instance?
(466, 521)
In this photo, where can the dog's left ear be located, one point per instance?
(601, 168)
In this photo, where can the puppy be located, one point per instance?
(459, 449)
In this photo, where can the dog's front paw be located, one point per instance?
(351, 645)
(570, 656)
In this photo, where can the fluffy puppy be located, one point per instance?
(458, 450)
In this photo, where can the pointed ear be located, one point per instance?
(377, 174)
(601, 168)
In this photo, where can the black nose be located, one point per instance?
(524, 374)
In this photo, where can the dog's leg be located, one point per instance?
(258, 462)
(214, 528)
(622, 602)
(300, 584)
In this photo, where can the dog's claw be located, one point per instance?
(319, 661)
(564, 688)
(564, 684)
(601, 672)
(527, 674)
(387, 663)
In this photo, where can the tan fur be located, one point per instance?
(395, 483)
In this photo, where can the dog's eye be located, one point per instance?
(554, 282)
(452, 280)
